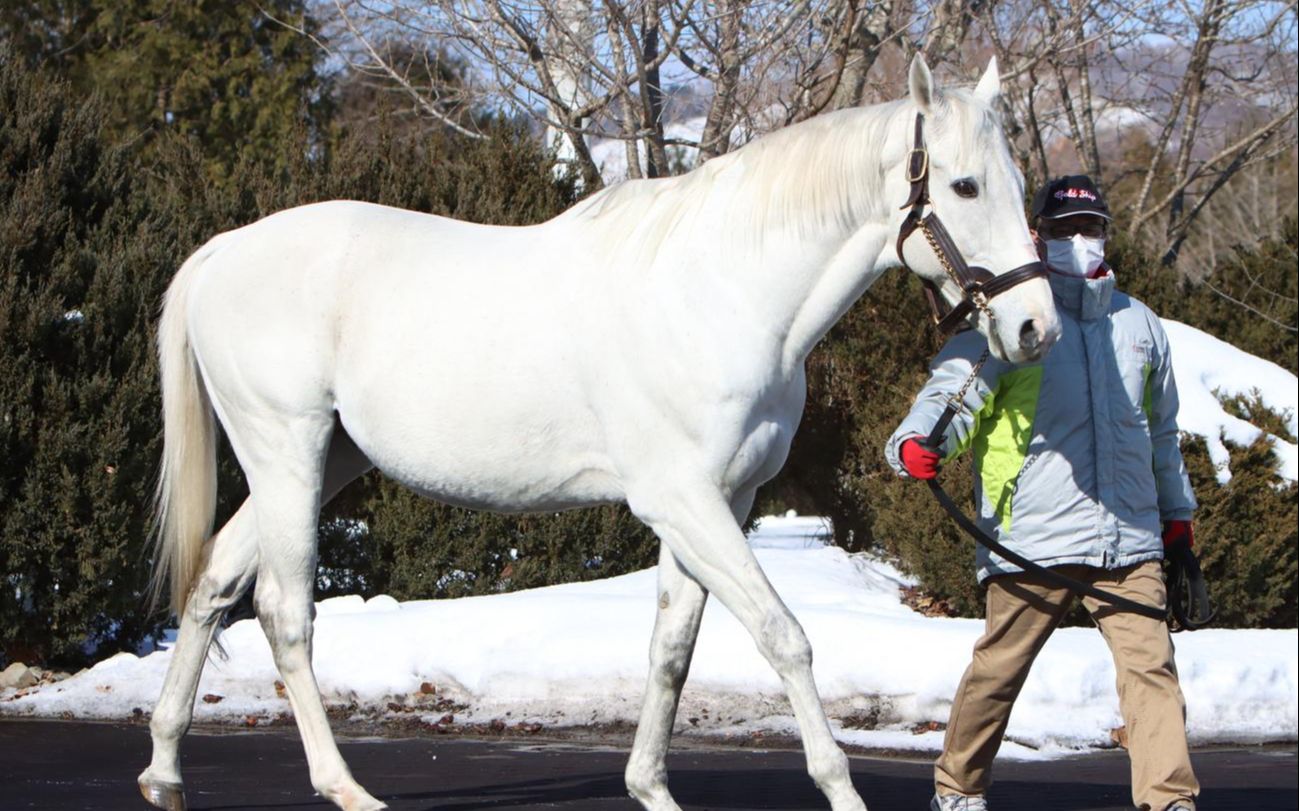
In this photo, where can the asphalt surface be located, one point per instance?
(67, 765)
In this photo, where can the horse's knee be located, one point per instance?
(783, 642)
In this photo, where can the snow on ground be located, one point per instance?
(577, 654)
(1207, 368)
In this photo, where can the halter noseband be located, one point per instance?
(978, 285)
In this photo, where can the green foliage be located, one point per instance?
(234, 77)
(79, 260)
(1246, 536)
(1252, 409)
(416, 548)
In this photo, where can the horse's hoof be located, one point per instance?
(366, 803)
(167, 796)
(351, 797)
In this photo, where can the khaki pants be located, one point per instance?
(1023, 610)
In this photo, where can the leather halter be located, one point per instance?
(978, 285)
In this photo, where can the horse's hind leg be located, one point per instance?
(231, 562)
(698, 526)
(676, 628)
(286, 501)
(229, 568)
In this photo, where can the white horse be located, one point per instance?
(645, 346)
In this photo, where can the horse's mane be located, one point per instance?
(825, 172)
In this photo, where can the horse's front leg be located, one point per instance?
(697, 524)
(680, 608)
(676, 627)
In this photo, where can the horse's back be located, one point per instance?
(452, 352)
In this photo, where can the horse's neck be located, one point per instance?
(783, 235)
(816, 226)
(837, 285)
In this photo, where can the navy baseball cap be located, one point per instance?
(1067, 196)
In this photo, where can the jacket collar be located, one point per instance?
(1086, 298)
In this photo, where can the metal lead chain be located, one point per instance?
(958, 399)
(977, 297)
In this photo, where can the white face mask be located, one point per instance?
(1079, 255)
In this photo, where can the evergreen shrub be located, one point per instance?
(81, 264)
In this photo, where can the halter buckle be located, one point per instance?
(917, 169)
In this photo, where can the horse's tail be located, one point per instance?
(185, 503)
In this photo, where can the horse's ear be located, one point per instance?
(989, 87)
(922, 84)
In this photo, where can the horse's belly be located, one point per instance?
(483, 444)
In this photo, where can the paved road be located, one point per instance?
(58, 765)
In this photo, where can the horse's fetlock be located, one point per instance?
(829, 772)
(168, 727)
(645, 782)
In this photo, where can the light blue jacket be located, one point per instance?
(1076, 457)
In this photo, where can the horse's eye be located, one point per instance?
(966, 188)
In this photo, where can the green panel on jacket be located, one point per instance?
(1002, 440)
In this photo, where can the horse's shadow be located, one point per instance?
(703, 788)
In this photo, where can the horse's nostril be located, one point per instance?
(1029, 335)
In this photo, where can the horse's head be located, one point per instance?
(962, 228)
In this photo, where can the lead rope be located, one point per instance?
(934, 441)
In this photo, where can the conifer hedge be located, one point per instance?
(82, 256)
(92, 229)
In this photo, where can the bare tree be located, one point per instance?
(1242, 214)
(601, 70)
(1165, 101)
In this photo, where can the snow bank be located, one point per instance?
(577, 654)
(1206, 369)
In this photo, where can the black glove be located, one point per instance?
(1188, 596)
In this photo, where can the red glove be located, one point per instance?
(920, 462)
(1177, 531)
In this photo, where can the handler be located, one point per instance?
(1078, 467)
